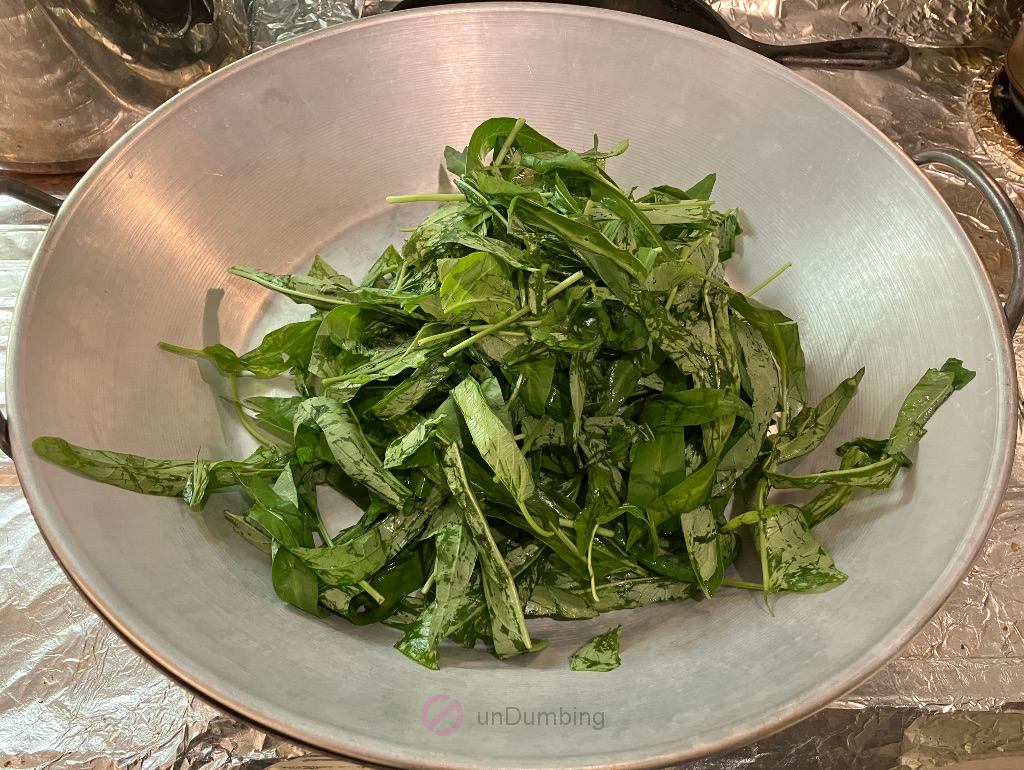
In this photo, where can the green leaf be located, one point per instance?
(132, 472)
(928, 395)
(487, 133)
(700, 531)
(830, 500)
(455, 161)
(321, 270)
(658, 464)
(389, 262)
(796, 561)
(453, 570)
(878, 475)
(294, 582)
(350, 448)
(783, 338)
(277, 514)
(279, 350)
(407, 395)
(701, 405)
(508, 626)
(250, 531)
(476, 286)
(702, 190)
(403, 448)
(494, 441)
(358, 558)
(685, 496)
(613, 265)
(279, 412)
(763, 384)
(400, 577)
(811, 426)
(538, 377)
(338, 346)
(599, 654)
(328, 294)
(679, 343)
(196, 485)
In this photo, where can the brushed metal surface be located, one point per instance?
(291, 153)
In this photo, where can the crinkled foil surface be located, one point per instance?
(72, 695)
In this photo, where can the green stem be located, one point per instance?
(344, 377)
(437, 197)
(512, 318)
(430, 582)
(376, 595)
(407, 229)
(180, 350)
(397, 285)
(442, 335)
(719, 284)
(322, 529)
(242, 416)
(570, 524)
(530, 520)
(769, 279)
(679, 204)
(762, 538)
(671, 297)
(743, 584)
(506, 146)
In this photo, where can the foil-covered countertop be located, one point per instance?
(73, 695)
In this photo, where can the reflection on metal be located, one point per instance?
(76, 74)
(992, 116)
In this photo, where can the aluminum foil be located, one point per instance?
(72, 695)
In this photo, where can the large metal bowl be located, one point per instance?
(291, 153)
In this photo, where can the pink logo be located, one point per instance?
(432, 723)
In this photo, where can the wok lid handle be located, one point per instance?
(36, 198)
(1006, 213)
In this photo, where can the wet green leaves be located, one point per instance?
(545, 404)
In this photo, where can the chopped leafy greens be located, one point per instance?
(544, 403)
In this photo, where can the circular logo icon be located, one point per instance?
(434, 723)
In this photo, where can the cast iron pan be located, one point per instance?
(864, 53)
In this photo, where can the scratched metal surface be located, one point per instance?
(72, 695)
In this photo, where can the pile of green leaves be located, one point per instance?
(544, 405)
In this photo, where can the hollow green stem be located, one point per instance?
(437, 197)
(769, 279)
(376, 595)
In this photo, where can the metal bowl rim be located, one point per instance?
(175, 664)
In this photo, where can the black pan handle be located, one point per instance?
(859, 53)
(1006, 213)
(36, 198)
